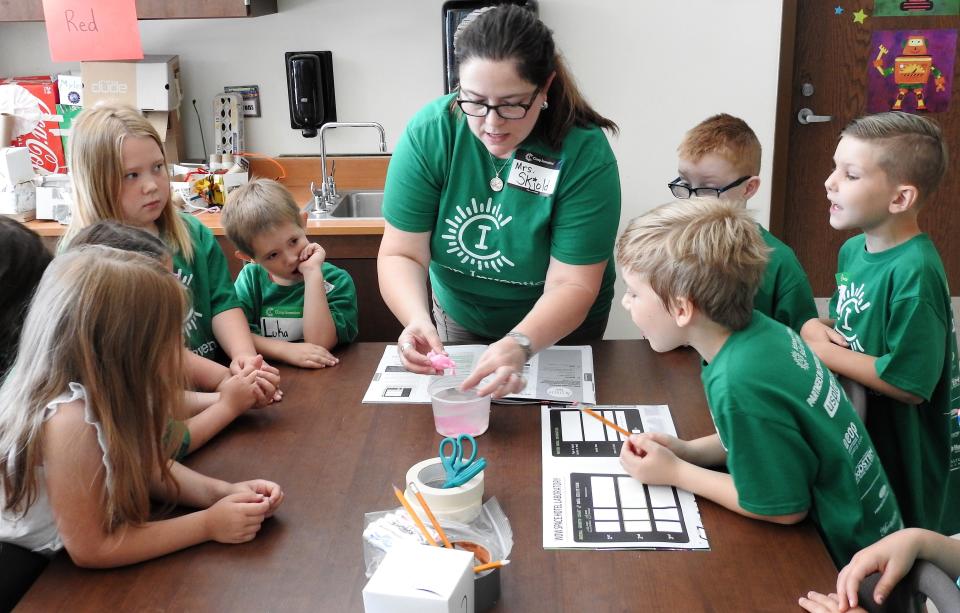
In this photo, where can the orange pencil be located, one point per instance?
(489, 565)
(433, 520)
(414, 516)
(591, 413)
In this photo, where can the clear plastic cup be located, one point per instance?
(456, 412)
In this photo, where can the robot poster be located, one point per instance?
(911, 8)
(910, 70)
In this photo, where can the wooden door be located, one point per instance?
(832, 53)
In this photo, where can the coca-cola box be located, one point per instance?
(43, 142)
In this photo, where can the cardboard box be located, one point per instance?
(67, 114)
(54, 197)
(19, 201)
(70, 88)
(15, 166)
(45, 147)
(421, 579)
(167, 125)
(150, 84)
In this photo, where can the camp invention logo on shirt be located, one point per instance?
(471, 235)
(851, 301)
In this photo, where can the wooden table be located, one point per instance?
(336, 459)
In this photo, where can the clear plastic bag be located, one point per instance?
(383, 529)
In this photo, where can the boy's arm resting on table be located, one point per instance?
(859, 367)
(651, 459)
(303, 355)
(318, 325)
(75, 479)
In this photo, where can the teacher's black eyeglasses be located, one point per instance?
(681, 190)
(506, 111)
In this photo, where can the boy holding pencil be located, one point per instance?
(786, 432)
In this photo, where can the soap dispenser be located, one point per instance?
(310, 90)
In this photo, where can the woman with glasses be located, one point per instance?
(506, 196)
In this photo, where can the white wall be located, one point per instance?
(654, 68)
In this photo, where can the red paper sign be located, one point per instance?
(79, 30)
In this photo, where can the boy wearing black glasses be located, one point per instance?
(720, 158)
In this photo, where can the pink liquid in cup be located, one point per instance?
(456, 412)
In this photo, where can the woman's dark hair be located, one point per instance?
(121, 236)
(511, 32)
(23, 258)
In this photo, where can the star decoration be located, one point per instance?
(838, 10)
(859, 16)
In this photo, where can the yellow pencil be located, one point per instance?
(414, 517)
(489, 565)
(433, 520)
(591, 413)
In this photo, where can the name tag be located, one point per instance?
(534, 173)
(327, 287)
(282, 328)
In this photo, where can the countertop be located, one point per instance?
(360, 172)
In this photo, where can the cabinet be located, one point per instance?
(32, 10)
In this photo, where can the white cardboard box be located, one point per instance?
(54, 194)
(150, 84)
(18, 201)
(15, 166)
(421, 579)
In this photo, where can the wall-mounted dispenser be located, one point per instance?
(310, 90)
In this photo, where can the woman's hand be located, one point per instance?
(415, 342)
(503, 361)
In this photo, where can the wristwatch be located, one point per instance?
(524, 342)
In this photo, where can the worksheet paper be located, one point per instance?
(590, 502)
(556, 374)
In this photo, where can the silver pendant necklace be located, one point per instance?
(496, 183)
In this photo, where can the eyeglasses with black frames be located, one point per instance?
(681, 190)
(506, 111)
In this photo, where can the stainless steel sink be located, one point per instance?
(358, 204)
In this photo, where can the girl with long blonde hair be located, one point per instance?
(98, 373)
(120, 172)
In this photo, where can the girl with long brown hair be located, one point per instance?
(98, 373)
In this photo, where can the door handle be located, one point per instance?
(806, 116)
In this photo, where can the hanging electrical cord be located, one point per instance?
(203, 141)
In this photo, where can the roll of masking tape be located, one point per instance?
(460, 504)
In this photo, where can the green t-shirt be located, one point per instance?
(895, 305)
(793, 440)
(211, 292)
(784, 293)
(490, 250)
(276, 311)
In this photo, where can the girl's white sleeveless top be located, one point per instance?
(36, 529)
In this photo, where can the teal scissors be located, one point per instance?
(460, 470)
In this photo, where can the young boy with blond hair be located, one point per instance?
(893, 330)
(720, 158)
(786, 433)
(287, 289)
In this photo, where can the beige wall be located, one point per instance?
(656, 68)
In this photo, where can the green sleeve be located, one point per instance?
(587, 209)
(249, 296)
(772, 466)
(795, 304)
(917, 336)
(209, 253)
(342, 300)
(417, 174)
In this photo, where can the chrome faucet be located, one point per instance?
(326, 196)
